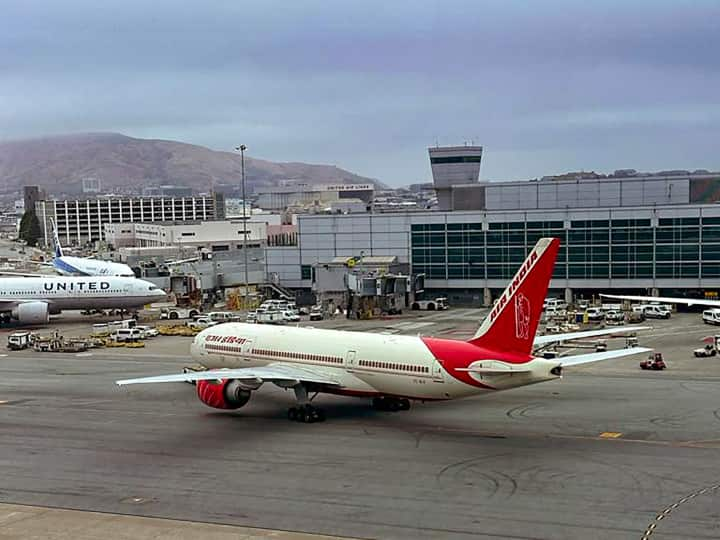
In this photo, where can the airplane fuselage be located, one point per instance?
(365, 364)
(80, 292)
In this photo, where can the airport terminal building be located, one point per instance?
(636, 233)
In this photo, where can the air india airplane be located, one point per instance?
(391, 369)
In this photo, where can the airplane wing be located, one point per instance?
(666, 300)
(181, 261)
(616, 331)
(577, 360)
(283, 373)
(24, 274)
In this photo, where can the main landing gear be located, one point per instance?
(305, 412)
(391, 404)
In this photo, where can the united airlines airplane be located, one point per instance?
(31, 300)
(82, 266)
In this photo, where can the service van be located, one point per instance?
(221, 316)
(656, 311)
(555, 303)
(711, 316)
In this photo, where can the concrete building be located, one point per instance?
(81, 221)
(282, 197)
(226, 235)
(655, 233)
(167, 190)
(456, 171)
(31, 195)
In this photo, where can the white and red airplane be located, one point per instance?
(391, 369)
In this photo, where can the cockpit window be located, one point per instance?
(153, 288)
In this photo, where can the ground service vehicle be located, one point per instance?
(655, 311)
(179, 313)
(271, 316)
(291, 316)
(316, 314)
(704, 352)
(127, 334)
(251, 317)
(435, 304)
(555, 303)
(19, 341)
(148, 331)
(200, 323)
(614, 316)
(391, 369)
(221, 316)
(711, 316)
(654, 362)
(595, 314)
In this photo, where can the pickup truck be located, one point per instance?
(201, 323)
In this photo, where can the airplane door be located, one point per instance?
(437, 371)
(246, 348)
(350, 360)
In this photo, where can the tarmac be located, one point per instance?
(608, 452)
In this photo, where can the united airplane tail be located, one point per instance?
(56, 240)
(512, 322)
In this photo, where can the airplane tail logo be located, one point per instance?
(512, 322)
(56, 240)
(522, 317)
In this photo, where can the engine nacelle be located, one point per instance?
(32, 313)
(226, 394)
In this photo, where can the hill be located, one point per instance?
(59, 164)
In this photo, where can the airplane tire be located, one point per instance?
(292, 414)
(404, 404)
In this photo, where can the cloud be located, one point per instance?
(368, 86)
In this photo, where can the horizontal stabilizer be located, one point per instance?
(580, 359)
(493, 371)
(618, 330)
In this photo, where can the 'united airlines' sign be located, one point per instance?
(76, 286)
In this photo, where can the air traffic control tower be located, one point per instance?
(452, 167)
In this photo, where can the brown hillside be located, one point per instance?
(60, 163)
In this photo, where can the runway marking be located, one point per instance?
(668, 509)
(610, 435)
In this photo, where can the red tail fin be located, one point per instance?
(513, 320)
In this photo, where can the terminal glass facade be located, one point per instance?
(636, 249)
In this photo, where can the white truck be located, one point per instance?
(175, 313)
(656, 311)
(436, 304)
(200, 323)
(271, 316)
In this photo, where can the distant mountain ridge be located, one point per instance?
(59, 164)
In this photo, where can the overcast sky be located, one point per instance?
(546, 86)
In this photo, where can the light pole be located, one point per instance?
(242, 149)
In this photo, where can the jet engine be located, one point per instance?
(226, 394)
(31, 313)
